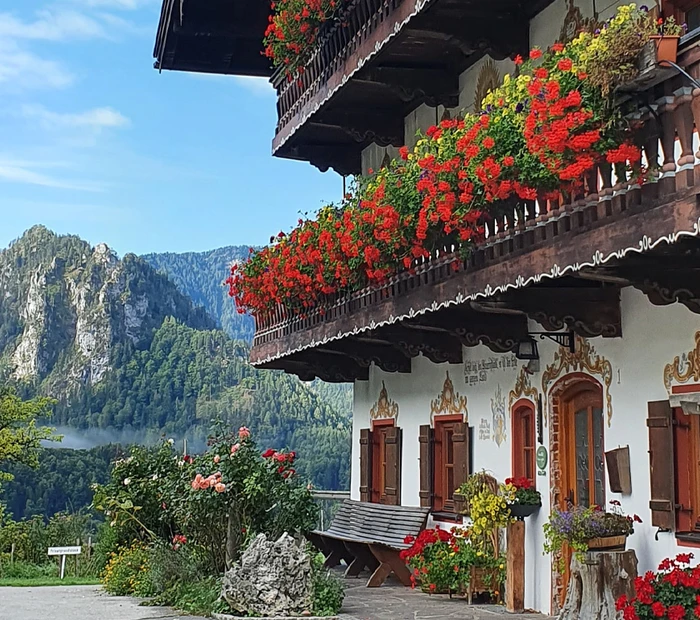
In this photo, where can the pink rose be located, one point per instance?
(217, 458)
(243, 432)
(219, 487)
(235, 448)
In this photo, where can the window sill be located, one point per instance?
(447, 517)
(688, 539)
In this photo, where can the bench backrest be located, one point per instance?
(378, 523)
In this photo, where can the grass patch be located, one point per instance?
(16, 582)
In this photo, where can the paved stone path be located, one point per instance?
(390, 602)
(75, 603)
(393, 601)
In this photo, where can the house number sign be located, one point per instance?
(541, 459)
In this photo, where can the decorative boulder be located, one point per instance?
(272, 578)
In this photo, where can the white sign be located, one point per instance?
(65, 550)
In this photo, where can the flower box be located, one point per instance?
(665, 47)
(608, 543)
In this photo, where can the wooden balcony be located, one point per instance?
(561, 263)
(213, 36)
(379, 62)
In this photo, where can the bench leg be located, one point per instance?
(336, 552)
(319, 542)
(389, 562)
(362, 557)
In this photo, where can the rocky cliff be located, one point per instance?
(64, 305)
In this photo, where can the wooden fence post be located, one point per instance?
(515, 568)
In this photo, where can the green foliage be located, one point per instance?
(61, 482)
(127, 572)
(20, 437)
(22, 571)
(201, 596)
(328, 591)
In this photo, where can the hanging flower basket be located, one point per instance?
(666, 47)
(520, 511)
(608, 543)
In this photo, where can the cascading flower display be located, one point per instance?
(673, 592)
(540, 133)
(291, 34)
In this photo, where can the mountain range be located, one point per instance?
(135, 348)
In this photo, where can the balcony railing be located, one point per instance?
(668, 114)
(338, 41)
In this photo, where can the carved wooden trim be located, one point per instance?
(584, 360)
(448, 402)
(384, 408)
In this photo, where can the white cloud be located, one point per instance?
(20, 172)
(21, 69)
(51, 26)
(95, 119)
(255, 85)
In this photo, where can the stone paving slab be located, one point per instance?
(76, 603)
(392, 601)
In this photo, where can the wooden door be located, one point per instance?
(583, 452)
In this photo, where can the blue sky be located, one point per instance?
(94, 142)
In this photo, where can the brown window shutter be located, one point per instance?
(461, 449)
(365, 465)
(426, 455)
(662, 502)
(392, 475)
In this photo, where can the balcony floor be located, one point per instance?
(392, 601)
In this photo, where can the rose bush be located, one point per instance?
(539, 134)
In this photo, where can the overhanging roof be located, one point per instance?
(213, 36)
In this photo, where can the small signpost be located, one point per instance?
(63, 552)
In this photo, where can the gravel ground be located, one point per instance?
(75, 603)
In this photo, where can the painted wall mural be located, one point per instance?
(484, 430)
(478, 370)
(684, 368)
(522, 389)
(449, 402)
(498, 417)
(384, 408)
(584, 360)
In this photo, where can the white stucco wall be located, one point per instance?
(652, 337)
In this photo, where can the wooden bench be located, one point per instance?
(370, 536)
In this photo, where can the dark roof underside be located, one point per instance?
(213, 36)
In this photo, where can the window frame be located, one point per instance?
(378, 474)
(686, 452)
(520, 410)
(441, 425)
(678, 9)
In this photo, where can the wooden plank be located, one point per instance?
(515, 568)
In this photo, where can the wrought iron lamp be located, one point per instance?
(527, 349)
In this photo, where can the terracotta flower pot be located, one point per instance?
(608, 543)
(666, 47)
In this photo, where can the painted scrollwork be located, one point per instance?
(522, 389)
(498, 417)
(384, 408)
(586, 360)
(684, 368)
(448, 402)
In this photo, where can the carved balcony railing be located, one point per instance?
(337, 41)
(668, 114)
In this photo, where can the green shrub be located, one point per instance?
(199, 597)
(22, 570)
(127, 572)
(173, 564)
(328, 590)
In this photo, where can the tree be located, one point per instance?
(20, 437)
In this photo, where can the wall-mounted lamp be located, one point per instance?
(527, 349)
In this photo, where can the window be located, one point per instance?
(685, 11)
(444, 463)
(674, 455)
(380, 463)
(524, 441)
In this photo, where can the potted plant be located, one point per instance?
(673, 592)
(588, 529)
(478, 482)
(524, 499)
(665, 39)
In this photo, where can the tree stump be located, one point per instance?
(597, 582)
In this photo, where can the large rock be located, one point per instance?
(272, 578)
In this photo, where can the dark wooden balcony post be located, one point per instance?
(683, 117)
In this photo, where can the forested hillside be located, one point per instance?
(128, 355)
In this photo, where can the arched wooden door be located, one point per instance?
(582, 453)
